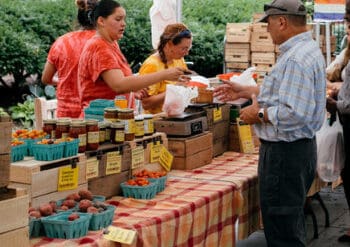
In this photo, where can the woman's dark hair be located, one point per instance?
(174, 33)
(85, 8)
(104, 9)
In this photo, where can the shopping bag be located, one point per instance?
(330, 150)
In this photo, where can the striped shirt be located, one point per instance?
(343, 102)
(294, 92)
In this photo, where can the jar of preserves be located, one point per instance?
(148, 124)
(110, 114)
(108, 132)
(62, 128)
(126, 116)
(117, 133)
(102, 132)
(92, 134)
(49, 127)
(120, 101)
(139, 126)
(78, 130)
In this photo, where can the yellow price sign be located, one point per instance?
(155, 152)
(67, 178)
(217, 114)
(165, 158)
(114, 163)
(91, 168)
(137, 157)
(120, 235)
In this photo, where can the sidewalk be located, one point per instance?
(339, 219)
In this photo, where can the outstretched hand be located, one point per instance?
(228, 91)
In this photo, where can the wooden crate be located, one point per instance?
(15, 238)
(261, 42)
(234, 138)
(243, 46)
(238, 32)
(263, 58)
(191, 152)
(264, 68)
(237, 66)
(5, 137)
(220, 132)
(237, 55)
(14, 205)
(108, 186)
(40, 178)
(259, 27)
(257, 17)
(5, 160)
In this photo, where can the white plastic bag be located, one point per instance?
(177, 98)
(246, 78)
(330, 151)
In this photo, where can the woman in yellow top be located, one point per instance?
(174, 44)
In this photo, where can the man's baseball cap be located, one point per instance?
(283, 7)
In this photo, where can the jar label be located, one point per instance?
(139, 131)
(102, 135)
(82, 140)
(53, 134)
(93, 137)
(108, 134)
(148, 125)
(119, 136)
(129, 126)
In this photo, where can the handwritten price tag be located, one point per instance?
(155, 152)
(217, 114)
(120, 235)
(137, 157)
(91, 168)
(114, 163)
(67, 178)
(165, 158)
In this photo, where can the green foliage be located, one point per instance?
(23, 113)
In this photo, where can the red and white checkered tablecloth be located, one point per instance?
(189, 212)
(239, 169)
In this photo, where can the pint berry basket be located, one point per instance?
(139, 192)
(48, 152)
(102, 219)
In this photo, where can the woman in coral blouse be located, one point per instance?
(174, 44)
(103, 70)
(63, 58)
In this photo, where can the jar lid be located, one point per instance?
(78, 122)
(49, 121)
(102, 124)
(91, 122)
(63, 121)
(126, 110)
(111, 109)
(117, 125)
(138, 118)
(147, 116)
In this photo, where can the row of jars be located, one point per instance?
(92, 133)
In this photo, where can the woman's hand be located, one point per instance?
(173, 74)
(141, 94)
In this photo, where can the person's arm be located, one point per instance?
(48, 76)
(124, 84)
(153, 101)
(231, 91)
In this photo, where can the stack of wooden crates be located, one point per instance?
(14, 203)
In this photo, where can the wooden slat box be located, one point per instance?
(5, 160)
(5, 137)
(220, 137)
(237, 55)
(15, 238)
(191, 152)
(14, 205)
(263, 58)
(261, 42)
(40, 178)
(238, 32)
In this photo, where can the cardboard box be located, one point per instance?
(14, 205)
(40, 178)
(192, 152)
(238, 32)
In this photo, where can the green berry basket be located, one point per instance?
(29, 142)
(18, 152)
(48, 152)
(139, 192)
(58, 226)
(102, 219)
(36, 228)
(161, 181)
(71, 148)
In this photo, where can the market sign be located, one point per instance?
(67, 178)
